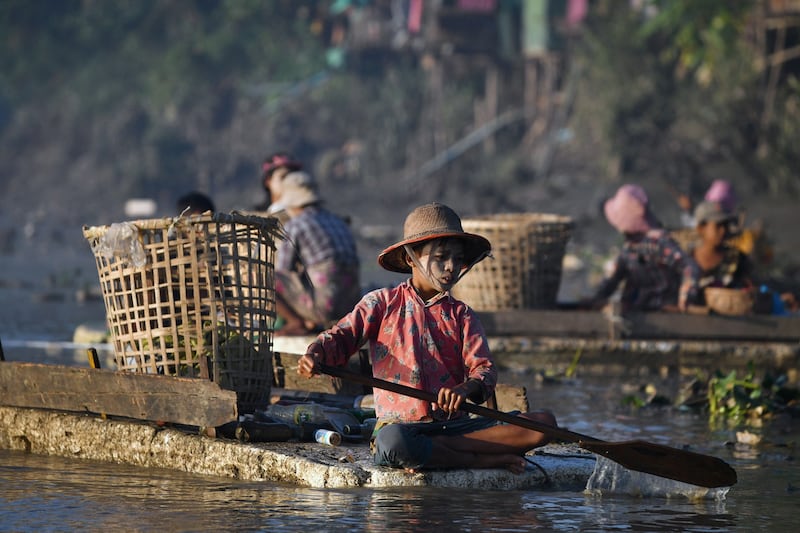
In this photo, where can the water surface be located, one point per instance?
(56, 494)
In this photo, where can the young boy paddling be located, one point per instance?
(422, 337)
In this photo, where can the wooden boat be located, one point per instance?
(651, 325)
(561, 340)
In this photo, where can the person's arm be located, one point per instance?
(335, 346)
(610, 284)
(481, 372)
(287, 251)
(450, 399)
(689, 292)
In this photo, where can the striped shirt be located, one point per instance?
(314, 236)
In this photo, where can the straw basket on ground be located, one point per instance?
(193, 297)
(525, 270)
(732, 302)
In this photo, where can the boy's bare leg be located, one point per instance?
(497, 447)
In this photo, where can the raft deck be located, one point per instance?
(148, 445)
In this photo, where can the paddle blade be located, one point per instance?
(664, 461)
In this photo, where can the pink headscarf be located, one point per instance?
(722, 192)
(627, 210)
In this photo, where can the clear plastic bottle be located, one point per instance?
(298, 413)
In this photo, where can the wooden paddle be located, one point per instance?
(641, 456)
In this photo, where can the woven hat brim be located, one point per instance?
(475, 246)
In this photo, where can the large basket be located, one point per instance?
(525, 270)
(192, 296)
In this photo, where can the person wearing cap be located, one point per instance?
(650, 262)
(712, 261)
(273, 170)
(317, 266)
(720, 191)
(420, 336)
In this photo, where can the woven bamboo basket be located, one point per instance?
(733, 302)
(192, 296)
(525, 270)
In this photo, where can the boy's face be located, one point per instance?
(442, 260)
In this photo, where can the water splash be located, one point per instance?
(610, 478)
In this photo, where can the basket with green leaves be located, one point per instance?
(192, 296)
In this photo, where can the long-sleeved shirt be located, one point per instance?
(422, 345)
(321, 251)
(651, 266)
(314, 236)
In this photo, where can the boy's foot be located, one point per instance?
(513, 463)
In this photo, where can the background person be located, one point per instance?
(650, 263)
(273, 170)
(711, 260)
(720, 191)
(317, 266)
(194, 203)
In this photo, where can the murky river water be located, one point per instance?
(55, 494)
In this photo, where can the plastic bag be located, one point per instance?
(121, 241)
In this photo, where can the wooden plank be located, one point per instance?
(544, 323)
(285, 369)
(194, 402)
(752, 327)
(595, 324)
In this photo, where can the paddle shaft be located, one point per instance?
(479, 410)
(656, 459)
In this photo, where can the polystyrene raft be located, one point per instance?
(306, 464)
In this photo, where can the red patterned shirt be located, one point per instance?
(422, 345)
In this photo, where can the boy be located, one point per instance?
(422, 337)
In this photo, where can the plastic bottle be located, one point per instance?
(365, 401)
(297, 413)
(362, 414)
(252, 431)
(325, 436)
(353, 430)
(363, 430)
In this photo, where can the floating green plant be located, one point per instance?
(741, 399)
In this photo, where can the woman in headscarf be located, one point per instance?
(650, 263)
